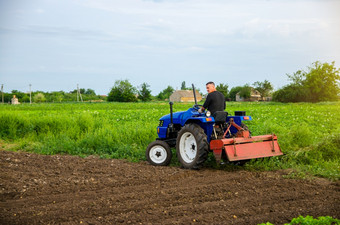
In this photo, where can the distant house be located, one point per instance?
(267, 99)
(15, 100)
(254, 97)
(185, 96)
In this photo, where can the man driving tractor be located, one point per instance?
(215, 100)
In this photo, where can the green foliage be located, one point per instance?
(165, 94)
(234, 91)
(39, 97)
(291, 93)
(90, 92)
(223, 88)
(55, 96)
(8, 97)
(25, 98)
(264, 87)
(22, 97)
(319, 83)
(183, 87)
(309, 220)
(144, 94)
(322, 82)
(245, 91)
(122, 91)
(308, 133)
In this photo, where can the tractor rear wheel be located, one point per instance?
(192, 146)
(158, 153)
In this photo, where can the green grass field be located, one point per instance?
(308, 134)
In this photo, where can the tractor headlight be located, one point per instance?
(208, 113)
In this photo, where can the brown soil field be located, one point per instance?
(62, 189)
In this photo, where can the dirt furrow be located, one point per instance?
(39, 189)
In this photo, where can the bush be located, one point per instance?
(122, 91)
(309, 220)
(319, 83)
(39, 97)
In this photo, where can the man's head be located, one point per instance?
(210, 87)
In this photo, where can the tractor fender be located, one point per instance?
(206, 123)
(202, 121)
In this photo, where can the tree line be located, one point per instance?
(55, 96)
(320, 82)
(123, 91)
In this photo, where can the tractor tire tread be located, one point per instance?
(202, 145)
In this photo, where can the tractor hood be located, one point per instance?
(183, 116)
(176, 117)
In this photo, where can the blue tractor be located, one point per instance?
(195, 134)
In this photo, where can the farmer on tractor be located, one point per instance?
(215, 100)
(194, 134)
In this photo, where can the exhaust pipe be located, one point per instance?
(193, 89)
(171, 125)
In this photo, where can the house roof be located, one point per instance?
(187, 93)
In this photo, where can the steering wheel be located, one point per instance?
(197, 106)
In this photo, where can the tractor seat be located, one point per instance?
(220, 117)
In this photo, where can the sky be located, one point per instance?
(56, 44)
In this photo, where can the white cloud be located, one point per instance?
(40, 11)
(197, 21)
(140, 39)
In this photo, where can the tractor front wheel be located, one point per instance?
(192, 146)
(158, 153)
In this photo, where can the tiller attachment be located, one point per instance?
(244, 147)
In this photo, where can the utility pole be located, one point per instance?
(79, 94)
(2, 93)
(81, 98)
(30, 94)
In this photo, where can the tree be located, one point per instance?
(294, 92)
(18, 94)
(22, 97)
(81, 90)
(25, 99)
(57, 96)
(183, 87)
(245, 91)
(90, 92)
(39, 97)
(122, 91)
(165, 94)
(322, 81)
(319, 83)
(223, 88)
(144, 93)
(290, 93)
(264, 87)
(234, 91)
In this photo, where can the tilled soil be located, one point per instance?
(41, 189)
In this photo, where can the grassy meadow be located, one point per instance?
(308, 134)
